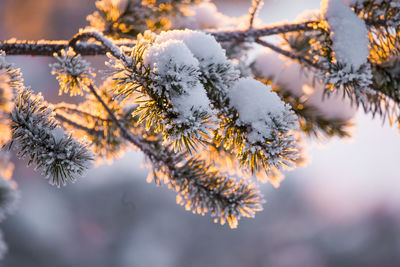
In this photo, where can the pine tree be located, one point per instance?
(191, 89)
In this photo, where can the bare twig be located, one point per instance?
(289, 54)
(48, 48)
(125, 132)
(256, 5)
(77, 111)
(90, 131)
(107, 43)
(252, 34)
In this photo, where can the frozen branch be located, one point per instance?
(256, 5)
(48, 48)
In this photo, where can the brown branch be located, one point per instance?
(90, 131)
(107, 43)
(256, 5)
(80, 112)
(48, 48)
(252, 34)
(289, 54)
(126, 133)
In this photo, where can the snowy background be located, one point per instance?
(342, 209)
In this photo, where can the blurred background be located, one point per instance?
(342, 209)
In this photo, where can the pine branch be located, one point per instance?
(199, 188)
(79, 112)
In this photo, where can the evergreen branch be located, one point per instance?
(199, 188)
(72, 71)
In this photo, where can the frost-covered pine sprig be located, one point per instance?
(256, 147)
(73, 72)
(95, 123)
(37, 136)
(201, 189)
(185, 112)
(340, 52)
(217, 73)
(164, 77)
(259, 129)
